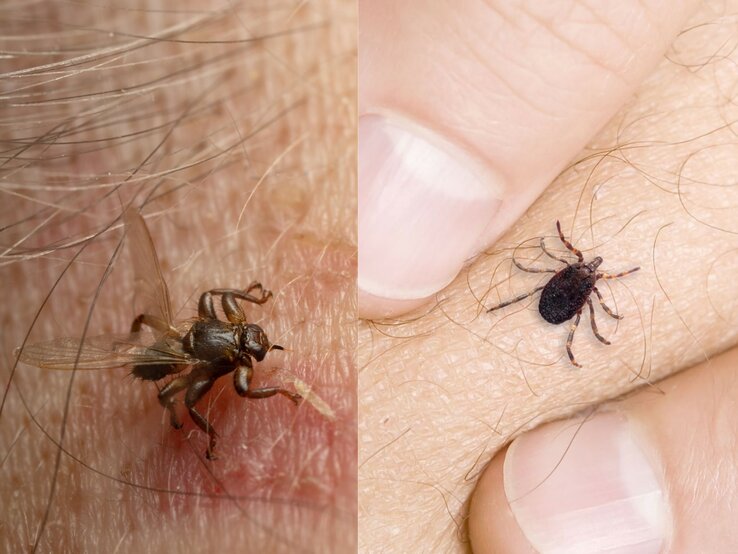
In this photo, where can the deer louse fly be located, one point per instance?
(210, 347)
(565, 294)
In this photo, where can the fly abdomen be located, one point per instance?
(154, 372)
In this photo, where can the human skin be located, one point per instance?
(244, 156)
(444, 388)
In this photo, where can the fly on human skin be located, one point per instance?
(157, 348)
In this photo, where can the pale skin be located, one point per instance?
(258, 144)
(446, 387)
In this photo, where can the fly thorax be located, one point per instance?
(254, 341)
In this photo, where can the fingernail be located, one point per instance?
(586, 488)
(423, 206)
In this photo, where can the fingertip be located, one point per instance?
(573, 486)
(377, 307)
(492, 525)
(425, 205)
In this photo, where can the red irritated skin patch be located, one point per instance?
(270, 450)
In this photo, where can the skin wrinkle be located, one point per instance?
(550, 27)
(609, 70)
(471, 51)
(483, 401)
(298, 236)
(603, 24)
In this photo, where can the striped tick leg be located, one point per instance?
(549, 254)
(594, 324)
(516, 299)
(608, 311)
(531, 269)
(616, 275)
(569, 245)
(571, 338)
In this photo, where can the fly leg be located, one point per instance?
(516, 299)
(232, 310)
(242, 380)
(151, 321)
(166, 397)
(205, 308)
(600, 338)
(194, 393)
(571, 338)
(246, 294)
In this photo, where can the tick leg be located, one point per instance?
(531, 269)
(242, 380)
(516, 299)
(600, 338)
(151, 321)
(608, 311)
(205, 308)
(232, 310)
(194, 393)
(571, 338)
(549, 254)
(568, 244)
(617, 275)
(166, 398)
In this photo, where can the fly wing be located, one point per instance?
(151, 290)
(105, 352)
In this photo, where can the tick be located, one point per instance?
(208, 346)
(565, 294)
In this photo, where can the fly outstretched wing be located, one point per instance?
(152, 293)
(105, 352)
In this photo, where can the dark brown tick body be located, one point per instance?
(567, 291)
(209, 346)
(565, 294)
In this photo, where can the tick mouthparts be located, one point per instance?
(277, 347)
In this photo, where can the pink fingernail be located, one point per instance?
(423, 206)
(586, 488)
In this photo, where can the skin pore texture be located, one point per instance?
(233, 125)
(444, 388)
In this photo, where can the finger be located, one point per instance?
(466, 117)
(653, 471)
